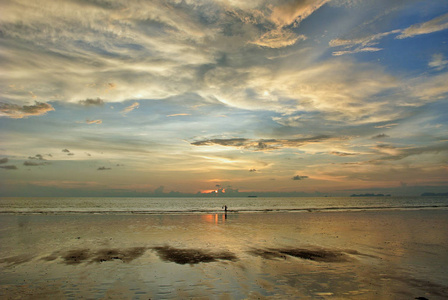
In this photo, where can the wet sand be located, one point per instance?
(388, 254)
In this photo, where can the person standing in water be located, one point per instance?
(225, 211)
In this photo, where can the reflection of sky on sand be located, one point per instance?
(386, 255)
(214, 218)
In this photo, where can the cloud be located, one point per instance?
(338, 90)
(337, 153)
(103, 169)
(94, 121)
(278, 38)
(92, 102)
(434, 25)
(177, 115)
(37, 156)
(253, 170)
(34, 164)
(438, 62)
(15, 111)
(68, 152)
(235, 142)
(380, 136)
(364, 44)
(428, 89)
(9, 167)
(263, 144)
(357, 50)
(294, 11)
(3, 160)
(286, 14)
(130, 108)
(148, 50)
(387, 125)
(395, 153)
(299, 177)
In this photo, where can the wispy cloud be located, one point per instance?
(94, 121)
(367, 43)
(399, 153)
(434, 25)
(438, 62)
(178, 115)
(283, 15)
(15, 111)
(279, 38)
(364, 44)
(264, 144)
(130, 108)
(338, 89)
(387, 125)
(338, 153)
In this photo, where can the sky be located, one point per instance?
(228, 97)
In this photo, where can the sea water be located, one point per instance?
(211, 205)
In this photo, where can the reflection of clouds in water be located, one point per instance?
(192, 256)
(78, 256)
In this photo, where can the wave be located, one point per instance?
(213, 211)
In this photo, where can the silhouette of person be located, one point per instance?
(225, 211)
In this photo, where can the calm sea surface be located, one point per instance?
(210, 205)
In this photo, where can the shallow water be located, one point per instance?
(210, 205)
(332, 255)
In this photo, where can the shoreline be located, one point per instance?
(229, 211)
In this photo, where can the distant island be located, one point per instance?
(369, 195)
(434, 195)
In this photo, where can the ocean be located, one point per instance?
(117, 205)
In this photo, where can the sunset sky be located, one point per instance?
(133, 98)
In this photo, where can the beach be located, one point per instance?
(364, 254)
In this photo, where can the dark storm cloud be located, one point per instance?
(15, 111)
(9, 167)
(103, 169)
(380, 136)
(4, 160)
(37, 156)
(92, 102)
(237, 142)
(299, 177)
(34, 164)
